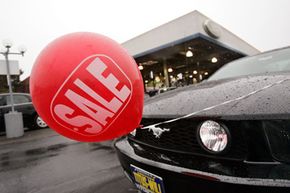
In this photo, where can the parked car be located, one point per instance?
(228, 134)
(23, 104)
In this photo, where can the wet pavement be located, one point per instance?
(43, 161)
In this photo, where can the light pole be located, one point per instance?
(13, 119)
(8, 44)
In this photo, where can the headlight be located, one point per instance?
(213, 136)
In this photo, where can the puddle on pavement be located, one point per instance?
(99, 146)
(38, 151)
(17, 159)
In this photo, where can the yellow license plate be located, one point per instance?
(147, 182)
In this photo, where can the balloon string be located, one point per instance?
(215, 106)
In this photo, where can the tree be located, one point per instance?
(15, 81)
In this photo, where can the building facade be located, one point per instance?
(185, 51)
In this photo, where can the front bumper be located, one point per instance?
(183, 179)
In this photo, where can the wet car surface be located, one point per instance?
(228, 134)
(44, 162)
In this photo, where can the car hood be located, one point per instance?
(255, 97)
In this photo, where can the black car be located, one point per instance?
(228, 134)
(23, 104)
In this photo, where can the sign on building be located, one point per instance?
(13, 66)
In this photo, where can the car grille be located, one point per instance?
(182, 138)
(278, 135)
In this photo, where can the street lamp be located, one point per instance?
(8, 44)
(13, 119)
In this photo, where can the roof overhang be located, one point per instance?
(182, 29)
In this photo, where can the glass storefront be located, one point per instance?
(182, 64)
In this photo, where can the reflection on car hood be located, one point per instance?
(244, 98)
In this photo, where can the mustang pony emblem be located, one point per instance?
(157, 131)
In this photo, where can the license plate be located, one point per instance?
(147, 182)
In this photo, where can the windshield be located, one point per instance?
(274, 61)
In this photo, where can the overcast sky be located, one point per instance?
(265, 24)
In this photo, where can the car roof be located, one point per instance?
(262, 53)
(15, 93)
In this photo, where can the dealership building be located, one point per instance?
(185, 51)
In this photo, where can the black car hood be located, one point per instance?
(256, 97)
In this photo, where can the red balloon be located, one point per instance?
(87, 87)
